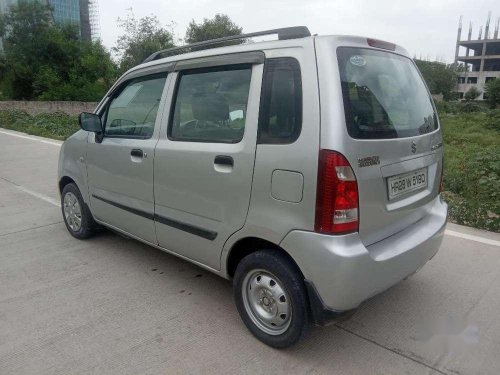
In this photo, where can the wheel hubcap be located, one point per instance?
(266, 302)
(72, 212)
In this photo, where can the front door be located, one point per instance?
(120, 168)
(204, 165)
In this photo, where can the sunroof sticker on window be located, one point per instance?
(384, 95)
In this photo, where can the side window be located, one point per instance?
(132, 111)
(211, 105)
(280, 116)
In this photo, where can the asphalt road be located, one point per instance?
(112, 305)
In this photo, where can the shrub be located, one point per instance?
(448, 107)
(472, 94)
(470, 107)
(471, 213)
(471, 181)
(493, 92)
(493, 120)
(442, 106)
(56, 125)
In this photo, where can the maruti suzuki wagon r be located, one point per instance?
(307, 169)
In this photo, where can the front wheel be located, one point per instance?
(271, 298)
(76, 214)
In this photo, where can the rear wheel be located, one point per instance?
(76, 214)
(271, 298)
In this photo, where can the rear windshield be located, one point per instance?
(384, 95)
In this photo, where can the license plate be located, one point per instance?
(405, 183)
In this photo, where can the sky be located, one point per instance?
(426, 28)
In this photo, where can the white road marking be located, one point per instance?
(471, 237)
(53, 143)
(40, 196)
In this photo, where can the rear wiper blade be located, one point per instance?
(426, 127)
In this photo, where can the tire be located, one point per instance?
(86, 226)
(262, 305)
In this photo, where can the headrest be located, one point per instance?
(210, 107)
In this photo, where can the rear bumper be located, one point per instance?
(344, 272)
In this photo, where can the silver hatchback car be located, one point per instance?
(306, 169)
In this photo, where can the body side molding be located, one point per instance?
(197, 231)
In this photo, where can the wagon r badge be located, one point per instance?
(413, 147)
(368, 161)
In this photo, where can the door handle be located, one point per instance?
(137, 153)
(224, 160)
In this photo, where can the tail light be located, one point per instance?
(337, 203)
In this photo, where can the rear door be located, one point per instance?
(205, 160)
(389, 133)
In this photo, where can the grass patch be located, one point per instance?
(57, 125)
(471, 183)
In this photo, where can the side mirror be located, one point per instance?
(90, 122)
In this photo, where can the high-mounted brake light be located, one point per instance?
(381, 44)
(337, 207)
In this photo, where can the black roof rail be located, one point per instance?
(294, 32)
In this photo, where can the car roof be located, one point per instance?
(226, 50)
(301, 38)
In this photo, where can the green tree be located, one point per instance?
(21, 28)
(219, 26)
(440, 78)
(49, 62)
(142, 38)
(471, 94)
(86, 76)
(2, 24)
(492, 92)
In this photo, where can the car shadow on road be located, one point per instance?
(383, 322)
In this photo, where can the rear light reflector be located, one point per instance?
(337, 207)
(381, 44)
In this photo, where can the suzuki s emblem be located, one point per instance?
(413, 147)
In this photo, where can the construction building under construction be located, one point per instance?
(480, 57)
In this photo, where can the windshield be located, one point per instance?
(384, 95)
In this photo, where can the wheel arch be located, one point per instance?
(65, 180)
(72, 167)
(249, 245)
(319, 313)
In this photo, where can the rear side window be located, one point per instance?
(132, 111)
(280, 116)
(211, 105)
(384, 95)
